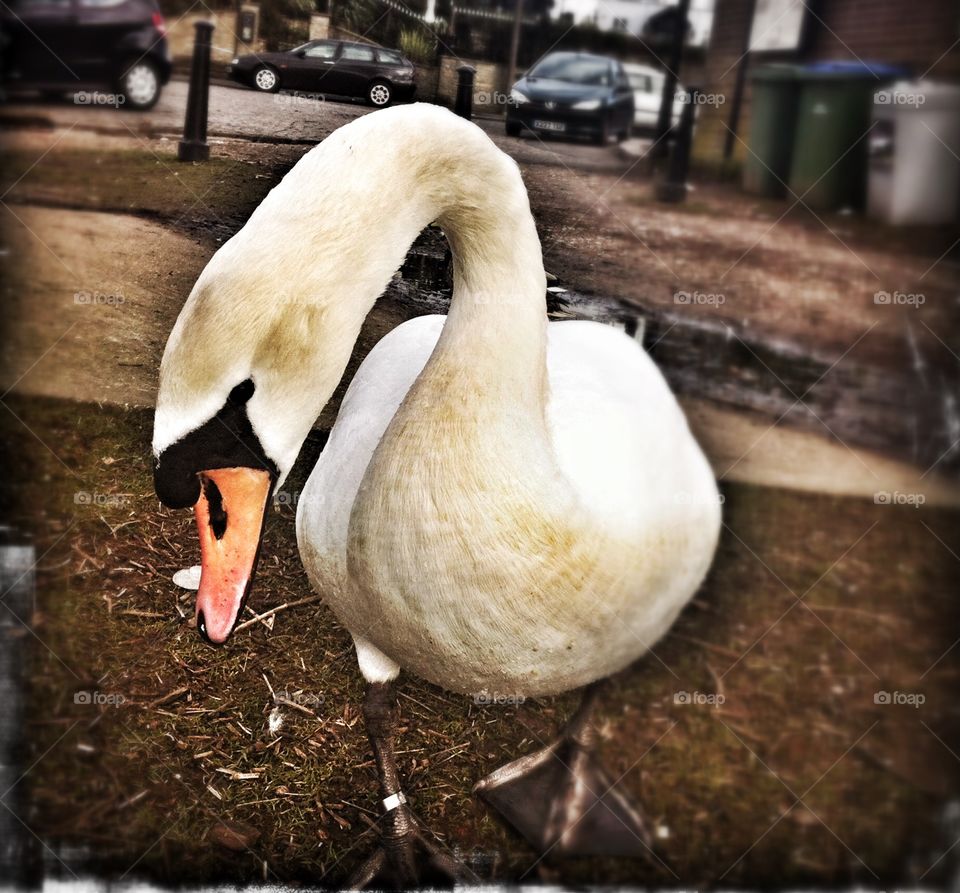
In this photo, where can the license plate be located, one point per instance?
(549, 125)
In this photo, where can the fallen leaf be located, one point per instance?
(234, 835)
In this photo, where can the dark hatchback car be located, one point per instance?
(338, 67)
(102, 51)
(573, 94)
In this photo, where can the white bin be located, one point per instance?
(915, 154)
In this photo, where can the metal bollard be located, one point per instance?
(674, 187)
(464, 103)
(193, 146)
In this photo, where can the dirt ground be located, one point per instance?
(814, 606)
(796, 727)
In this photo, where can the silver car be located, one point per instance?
(647, 85)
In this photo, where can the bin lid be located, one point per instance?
(779, 71)
(845, 70)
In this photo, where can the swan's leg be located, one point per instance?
(407, 854)
(562, 800)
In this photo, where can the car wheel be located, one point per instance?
(623, 135)
(513, 128)
(602, 136)
(379, 94)
(266, 79)
(140, 85)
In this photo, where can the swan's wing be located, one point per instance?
(619, 434)
(371, 401)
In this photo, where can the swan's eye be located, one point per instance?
(242, 392)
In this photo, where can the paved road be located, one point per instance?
(245, 114)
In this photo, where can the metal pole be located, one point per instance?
(675, 57)
(236, 26)
(674, 187)
(464, 102)
(193, 146)
(514, 44)
(20, 859)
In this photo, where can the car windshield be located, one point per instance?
(585, 70)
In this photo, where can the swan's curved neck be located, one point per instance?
(365, 194)
(497, 322)
(283, 301)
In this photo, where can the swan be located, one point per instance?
(505, 507)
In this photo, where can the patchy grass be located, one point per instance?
(141, 788)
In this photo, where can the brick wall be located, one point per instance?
(490, 82)
(917, 33)
(731, 22)
(224, 39)
(921, 34)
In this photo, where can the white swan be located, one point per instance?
(503, 505)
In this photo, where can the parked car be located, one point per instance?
(647, 84)
(104, 52)
(377, 74)
(573, 94)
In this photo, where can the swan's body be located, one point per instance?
(486, 589)
(501, 504)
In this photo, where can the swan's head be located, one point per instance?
(254, 356)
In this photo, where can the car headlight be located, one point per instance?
(518, 98)
(587, 105)
(235, 61)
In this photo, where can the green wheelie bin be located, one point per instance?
(828, 168)
(775, 91)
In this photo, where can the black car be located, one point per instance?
(338, 67)
(574, 94)
(104, 52)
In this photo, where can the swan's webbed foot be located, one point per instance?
(562, 800)
(408, 855)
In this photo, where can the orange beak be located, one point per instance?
(230, 514)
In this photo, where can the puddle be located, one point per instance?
(425, 285)
(722, 362)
